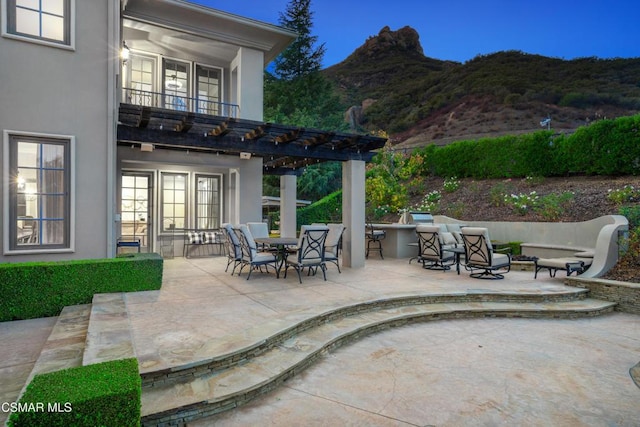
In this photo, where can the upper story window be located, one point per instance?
(39, 202)
(44, 20)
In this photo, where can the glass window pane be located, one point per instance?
(28, 22)
(31, 4)
(128, 181)
(52, 182)
(28, 154)
(55, 7)
(52, 232)
(53, 155)
(53, 27)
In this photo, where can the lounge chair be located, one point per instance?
(479, 255)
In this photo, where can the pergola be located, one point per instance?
(285, 150)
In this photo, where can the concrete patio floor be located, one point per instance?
(447, 372)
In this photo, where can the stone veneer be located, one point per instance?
(625, 294)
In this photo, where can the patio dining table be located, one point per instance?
(281, 244)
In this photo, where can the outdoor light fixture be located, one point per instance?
(146, 147)
(245, 156)
(124, 52)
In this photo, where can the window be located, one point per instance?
(45, 20)
(39, 192)
(208, 90)
(207, 202)
(141, 75)
(174, 201)
(176, 85)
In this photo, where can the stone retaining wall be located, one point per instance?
(625, 294)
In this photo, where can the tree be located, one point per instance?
(301, 58)
(298, 94)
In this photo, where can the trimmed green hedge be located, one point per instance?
(605, 147)
(326, 210)
(104, 394)
(42, 289)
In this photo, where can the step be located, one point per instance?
(233, 349)
(174, 403)
(109, 334)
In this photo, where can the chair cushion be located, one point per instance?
(264, 257)
(209, 237)
(448, 238)
(500, 260)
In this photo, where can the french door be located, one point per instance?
(137, 208)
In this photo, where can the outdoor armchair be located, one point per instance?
(251, 256)
(332, 244)
(310, 251)
(479, 255)
(374, 237)
(432, 252)
(233, 249)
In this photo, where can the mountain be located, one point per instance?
(419, 100)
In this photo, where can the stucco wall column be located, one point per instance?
(353, 200)
(288, 197)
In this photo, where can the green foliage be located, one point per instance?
(632, 213)
(606, 147)
(622, 195)
(384, 195)
(498, 193)
(522, 203)
(42, 289)
(103, 394)
(451, 184)
(319, 180)
(429, 202)
(552, 206)
(328, 209)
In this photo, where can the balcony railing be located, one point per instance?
(179, 103)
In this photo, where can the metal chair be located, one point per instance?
(479, 255)
(250, 255)
(374, 237)
(310, 251)
(432, 254)
(332, 244)
(233, 249)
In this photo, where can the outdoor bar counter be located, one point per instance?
(396, 242)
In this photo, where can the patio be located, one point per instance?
(447, 372)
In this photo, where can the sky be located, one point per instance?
(459, 30)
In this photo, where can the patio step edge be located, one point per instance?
(264, 337)
(109, 332)
(206, 395)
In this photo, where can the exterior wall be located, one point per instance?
(249, 85)
(59, 91)
(243, 204)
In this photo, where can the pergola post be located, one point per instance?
(353, 217)
(288, 199)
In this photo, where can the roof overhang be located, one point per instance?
(285, 150)
(178, 24)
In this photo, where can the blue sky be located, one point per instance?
(461, 29)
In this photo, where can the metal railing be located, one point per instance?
(179, 103)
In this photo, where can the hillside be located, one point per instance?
(420, 100)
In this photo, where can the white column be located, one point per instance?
(288, 197)
(353, 218)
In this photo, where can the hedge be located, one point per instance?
(328, 209)
(104, 394)
(42, 289)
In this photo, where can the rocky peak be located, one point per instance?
(406, 39)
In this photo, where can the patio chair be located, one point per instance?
(251, 256)
(234, 251)
(433, 254)
(479, 255)
(310, 251)
(260, 230)
(374, 237)
(332, 244)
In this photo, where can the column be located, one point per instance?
(288, 197)
(353, 217)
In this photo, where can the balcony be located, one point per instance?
(178, 102)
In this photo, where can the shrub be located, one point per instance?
(451, 184)
(623, 195)
(327, 209)
(552, 206)
(522, 203)
(42, 289)
(103, 394)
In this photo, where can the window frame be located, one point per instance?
(10, 196)
(9, 31)
(161, 202)
(197, 195)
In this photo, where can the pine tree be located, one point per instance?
(301, 58)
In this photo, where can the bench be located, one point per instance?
(202, 239)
